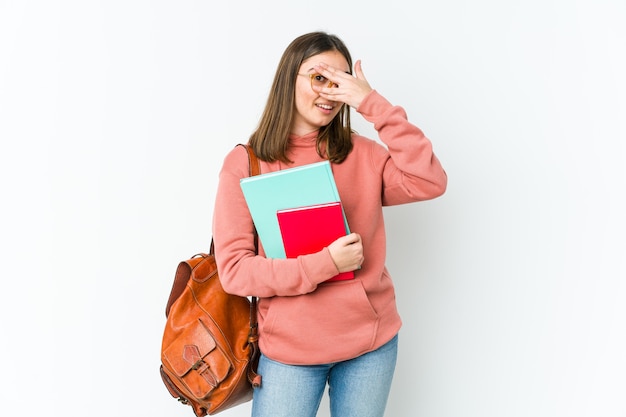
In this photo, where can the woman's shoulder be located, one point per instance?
(236, 161)
(367, 152)
(364, 143)
(360, 140)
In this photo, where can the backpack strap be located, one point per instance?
(254, 166)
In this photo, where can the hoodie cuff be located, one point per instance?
(318, 267)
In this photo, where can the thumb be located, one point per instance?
(358, 70)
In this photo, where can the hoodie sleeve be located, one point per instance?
(411, 171)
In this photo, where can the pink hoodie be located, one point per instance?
(303, 320)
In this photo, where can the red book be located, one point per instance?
(310, 229)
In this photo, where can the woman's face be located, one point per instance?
(312, 112)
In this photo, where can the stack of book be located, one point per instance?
(296, 211)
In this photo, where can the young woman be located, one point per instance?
(313, 332)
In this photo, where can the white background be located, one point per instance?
(114, 120)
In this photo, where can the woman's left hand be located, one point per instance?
(350, 89)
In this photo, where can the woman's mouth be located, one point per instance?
(327, 108)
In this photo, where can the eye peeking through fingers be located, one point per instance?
(320, 81)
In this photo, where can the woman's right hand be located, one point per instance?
(347, 252)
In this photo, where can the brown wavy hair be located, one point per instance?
(271, 138)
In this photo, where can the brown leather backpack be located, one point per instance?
(209, 351)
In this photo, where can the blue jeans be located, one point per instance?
(358, 387)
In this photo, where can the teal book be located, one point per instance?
(268, 193)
